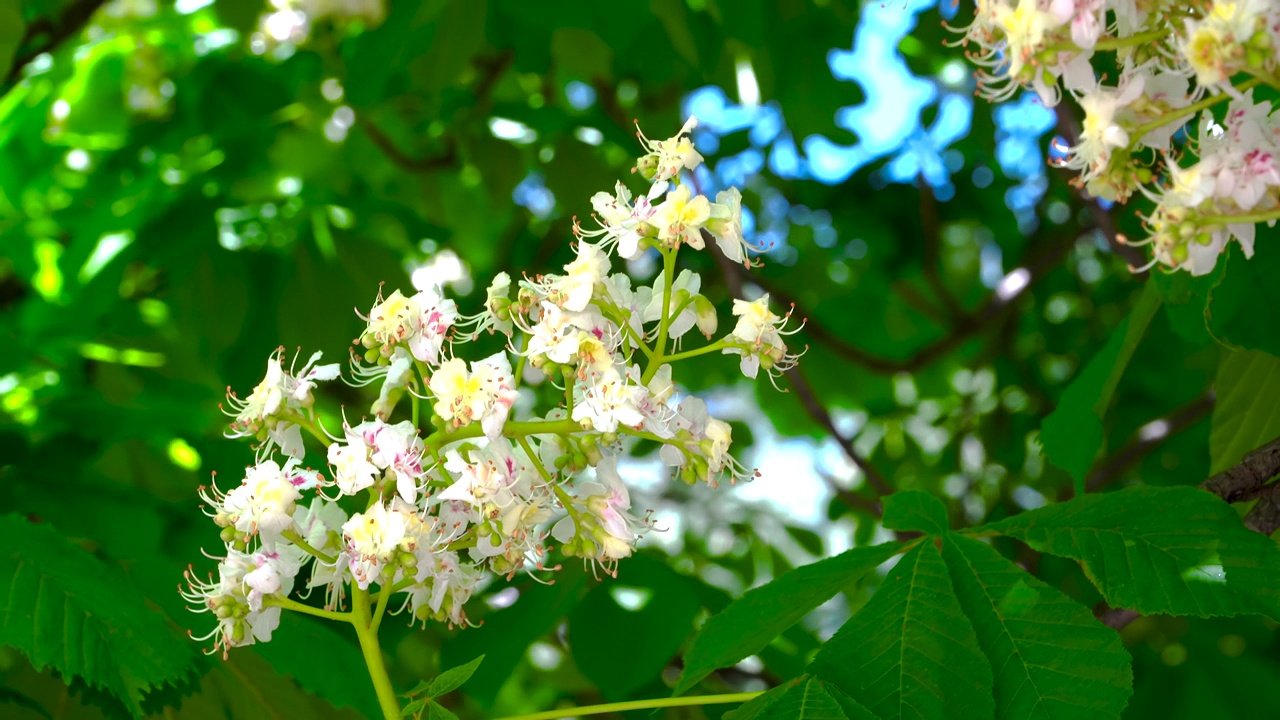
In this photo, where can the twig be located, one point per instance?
(992, 309)
(818, 411)
(1249, 477)
(405, 162)
(1139, 447)
(59, 30)
(931, 232)
(733, 276)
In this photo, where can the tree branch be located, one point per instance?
(1248, 479)
(733, 277)
(996, 305)
(1138, 447)
(58, 30)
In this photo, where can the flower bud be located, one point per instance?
(706, 316)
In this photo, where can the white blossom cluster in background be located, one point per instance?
(441, 484)
(291, 21)
(1141, 70)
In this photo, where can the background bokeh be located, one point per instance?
(186, 186)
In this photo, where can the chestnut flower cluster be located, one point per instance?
(474, 483)
(1174, 60)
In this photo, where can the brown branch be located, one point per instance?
(445, 159)
(931, 232)
(1248, 479)
(1138, 447)
(490, 69)
(992, 309)
(733, 277)
(59, 30)
(1069, 127)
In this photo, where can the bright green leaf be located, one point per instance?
(63, 607)
(1172, 550)
(910, 651)
(1050, 657)
(762, 613)
(1072, 433)
(453, 678)
(809, 699)
(915, 510)
(1244, 417)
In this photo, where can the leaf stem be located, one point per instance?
(285, 603)
(297, 539)
(365, 631)
(637, 705)
(1189, 110)
(1257, 217)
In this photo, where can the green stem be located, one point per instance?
(440, 438)
(373, 654)
(1189, 110)
(293, 537)
(524, 345)
(307, 425)
(379, 611)
(1257, 217)
(285, 603)
(657, 358)
(1110, 43)
(1264, 76)
(637, 705)
(713, 347)
(422, 388)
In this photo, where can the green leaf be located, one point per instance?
(436, 711)
(1244, 417)
(751, 709)
(650, 602)
(61, 606)
(762, 613)
(453, 678)
(1170, 550)
(245, 687)
(915, 510)
(910, 651)
(807, 700)
(414, 707)
(1244, 310)
(1072, 433)
(1050, 657)
(12, 29)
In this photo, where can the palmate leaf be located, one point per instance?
(1050, 657)
(1244, 417)
(763, 613)
(63, 607)
(910, 652)
(804, 698)
(1174, 550)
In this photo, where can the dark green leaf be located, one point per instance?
(915, 510)
(1172, 550)
(809, 699)
(1244, 309)
(762, 613)
(1050, 657)
(1072, 433)
(292, 652)
(650, 601)
(436, 711)
(1244, 416)
(751, 709)
(910, 651)
(63, 607)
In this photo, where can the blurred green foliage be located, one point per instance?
(175, 205)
